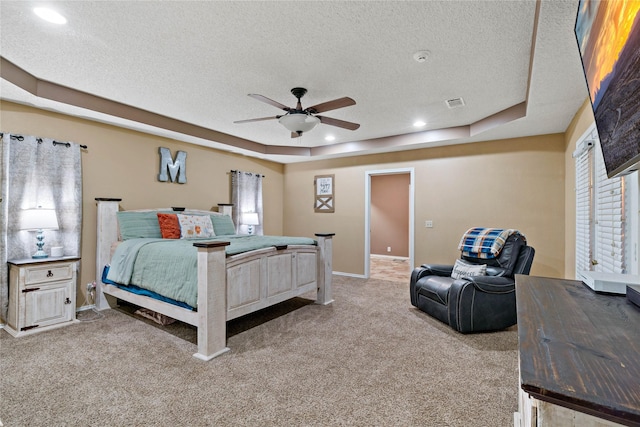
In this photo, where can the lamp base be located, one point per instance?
(40, 254)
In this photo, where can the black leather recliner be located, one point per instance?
(476, 303)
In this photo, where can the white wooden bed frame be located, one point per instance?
(228, 287)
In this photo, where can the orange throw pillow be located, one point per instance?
(169, 226)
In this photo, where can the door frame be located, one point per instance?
(367, 213)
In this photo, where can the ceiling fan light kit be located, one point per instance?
(299, 120)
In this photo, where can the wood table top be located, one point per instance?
(579, 349)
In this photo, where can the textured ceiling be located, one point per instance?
(197, 61)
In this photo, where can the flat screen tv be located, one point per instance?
(608, 35)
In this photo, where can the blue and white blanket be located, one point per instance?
(486, 243)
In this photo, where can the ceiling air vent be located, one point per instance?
(455, 102)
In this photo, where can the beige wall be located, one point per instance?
(578, 126)
(518, 183)
(513, 183)
(121, 163)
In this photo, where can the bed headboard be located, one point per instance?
(145, 222)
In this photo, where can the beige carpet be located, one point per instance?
(369, 359)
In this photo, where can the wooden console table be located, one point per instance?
(579, 355)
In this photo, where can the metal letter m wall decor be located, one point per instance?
(177, 168)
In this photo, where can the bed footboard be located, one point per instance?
(325, 268)
(212, 316)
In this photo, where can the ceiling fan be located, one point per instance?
(299, 120)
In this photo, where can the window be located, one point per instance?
(606, 213)
(246, 197)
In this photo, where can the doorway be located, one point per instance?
(389, 219)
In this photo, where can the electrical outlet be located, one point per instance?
(388, 248)
(428, 224)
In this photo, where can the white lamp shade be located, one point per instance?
(39, 219)
(250, 218)
(299, 122)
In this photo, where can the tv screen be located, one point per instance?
(608, 35)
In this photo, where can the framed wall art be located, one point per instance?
(324, 193)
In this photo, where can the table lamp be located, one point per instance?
(250, 219)
(39, 219)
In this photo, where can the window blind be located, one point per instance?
(609, 219)
(600, 213)
(583, 211)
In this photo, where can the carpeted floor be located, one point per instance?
(369, 359)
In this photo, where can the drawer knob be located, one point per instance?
(67, 301)
(49, 273)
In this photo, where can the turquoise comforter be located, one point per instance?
(168, 266)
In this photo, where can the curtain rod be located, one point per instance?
(40, 141)
(234, 171)
(66, 144)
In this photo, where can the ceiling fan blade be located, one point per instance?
(257, 120)
(269, 101)
(331, 105)
(338, 123)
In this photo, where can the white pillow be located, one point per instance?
(464, 269)
(195, 226)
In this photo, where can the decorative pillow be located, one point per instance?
(195, 226)
(138, 224)
(169, 226)
(223, 225)
(464, 269)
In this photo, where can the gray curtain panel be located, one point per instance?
(36, 172)
(246, 196)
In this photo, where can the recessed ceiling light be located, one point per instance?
(418, 123)
(50, 15)
(421, 56)
(329, 138)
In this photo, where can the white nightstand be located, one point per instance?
(42, 294)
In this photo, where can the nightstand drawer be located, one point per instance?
(48, 273)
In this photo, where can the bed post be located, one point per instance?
(212, 300)
(325, 268)
(107, 233)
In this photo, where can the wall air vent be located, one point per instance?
(455, 102)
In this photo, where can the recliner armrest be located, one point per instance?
(496, 271)
(491, 284)
(426, 270)
(437, 270)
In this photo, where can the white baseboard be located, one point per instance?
(85, 308)
(358, 276)
(404, 258)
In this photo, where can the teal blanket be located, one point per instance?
(168, 266)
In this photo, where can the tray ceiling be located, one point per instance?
(184, 69)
